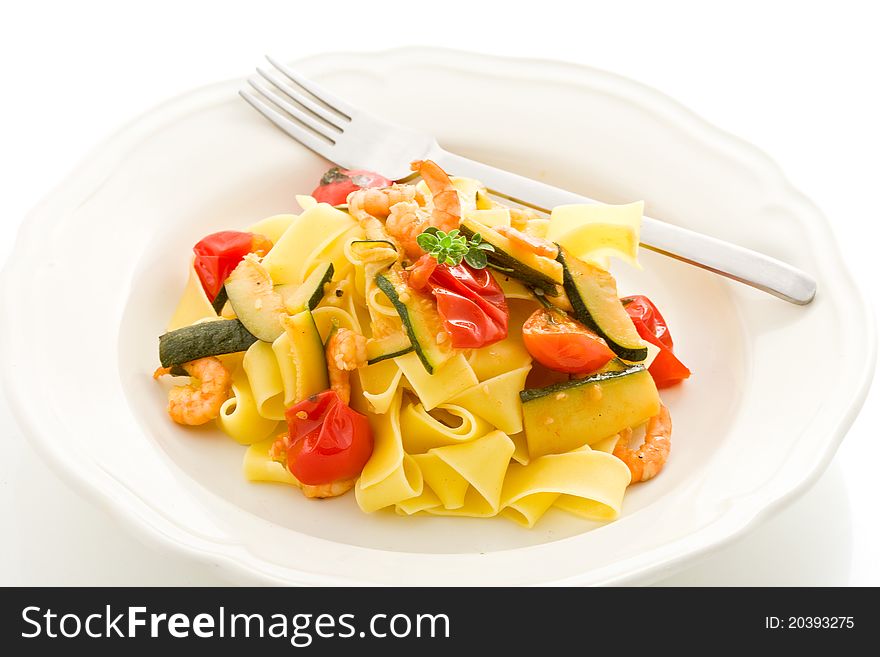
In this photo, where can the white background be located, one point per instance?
(797, 79)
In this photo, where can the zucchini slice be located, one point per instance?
(420, 319)
(528, 267)
(255, 302)
(391, 346)
(309, 294)
(220, 300)
(593, 296)
(308, 355)
(567, 415)
(211, 338)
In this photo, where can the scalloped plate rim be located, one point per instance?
(101, 486)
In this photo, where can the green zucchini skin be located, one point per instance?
(564, 416)
(503, 261)
(530, 394)
(575, 281)
(358, 247)
(390, 347)
(318, 290)
(381, 357)
(222, 336)
(220, 300)
(308, 294)
(420, 328)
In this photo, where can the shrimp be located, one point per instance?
(346, 351)
(402, 209)
(278, 453)
(199, 401)
(446, 212)
(369, 206)
(648, 459)
(333, 489)
(405, 223)
(537, 245)
(377, 201)
(408, 219)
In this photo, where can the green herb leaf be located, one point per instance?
(428, 242)
(476, 258)
(453, 247)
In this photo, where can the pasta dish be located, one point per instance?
(429, 347)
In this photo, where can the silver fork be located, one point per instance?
(355, 139)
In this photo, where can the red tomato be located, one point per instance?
(666, 369)
(338, 183)
(326, 441)
(641, 307)
(219, 253)
(560, 343)
(471, 303)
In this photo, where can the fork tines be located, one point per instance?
(300, 107)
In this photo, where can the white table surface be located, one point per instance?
(798, 82)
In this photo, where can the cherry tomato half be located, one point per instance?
(560, 343)
(666, 369)
(327, 441)
(470, 302)
(338, 183)
(219, 253)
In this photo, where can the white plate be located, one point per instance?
(97, 270)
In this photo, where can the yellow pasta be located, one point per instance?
(286, 368)
(387, 445)
(528, 510)
(273, 227)
(494, 359)
(391, 475)
(445, 482)
(300, 245)
(451, 378)
(305, 201)
(589, 483)
(423, 431)
(419, 504)
(347, 302)
(194, 304)
(483, 464)
(521, 448)
(379, 383)
(497, 400)
(257, 465)
(335, 252)
(379, 305)
(239, 416)
(596, 231)
(326, 317)
(402, 483)
(261, 366)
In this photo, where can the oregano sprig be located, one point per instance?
(453, 247)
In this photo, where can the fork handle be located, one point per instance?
(738, 263)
